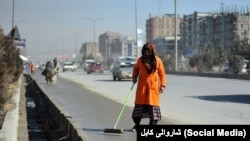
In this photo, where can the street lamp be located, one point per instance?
(75, 34)
(63, 40)
(13, 7)
(176, 43)
(94, 21)
(136, 38)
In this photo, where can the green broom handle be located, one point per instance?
(124, 104)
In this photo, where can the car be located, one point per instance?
(225, 67)
(123, 61)
(42, 66)
(86, 63)
(244, 67)
(95, 67)
(122, 71)
(69, 66)
(37, 65)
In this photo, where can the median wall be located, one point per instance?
(73, 132)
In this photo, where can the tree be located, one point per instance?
(235, 63)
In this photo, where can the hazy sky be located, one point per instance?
(47, 25)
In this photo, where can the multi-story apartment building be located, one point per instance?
(190, 31)
(221, 30)
(124, 46)
(165, 44)
(90, 49)
(161, 31)
(163, 26)
(105, 41)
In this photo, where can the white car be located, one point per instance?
(42, 66)
(69, 66)
(122, 71)
(124, 60)
(244, 67)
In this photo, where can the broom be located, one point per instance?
(114, 129)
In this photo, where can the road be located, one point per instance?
(92, 109)
(94, 101)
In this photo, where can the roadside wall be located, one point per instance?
(75, 132)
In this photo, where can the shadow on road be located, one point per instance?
(237, 98)
(111, 80)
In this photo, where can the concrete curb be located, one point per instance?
(75, 132)
(10, 124)
(215, 75)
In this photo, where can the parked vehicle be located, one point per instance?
(95, 67)
(248, 68)
(225, 67)
(122, 71)
(244, 67)
(69, 66)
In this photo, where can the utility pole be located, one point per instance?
(159, 7)
(13, 7)
(75, 42)
(94, 44)
(176, 43)
(63, 42)
(136, 38)
(94, 21)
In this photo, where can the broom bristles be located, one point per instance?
(114, 131)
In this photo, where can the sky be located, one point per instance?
(51, 26)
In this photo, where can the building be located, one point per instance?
(190, 31)
(163, 26)
(161, 31)
(105, 42)
(90, 50)
(165, 44)
(123, 46)
(221, 30)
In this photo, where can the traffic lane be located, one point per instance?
(89, 109)
(211, 100)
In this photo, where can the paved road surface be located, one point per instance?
(91, 110)
(95, 100)
(187, 99)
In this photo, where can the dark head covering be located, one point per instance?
(149, 61)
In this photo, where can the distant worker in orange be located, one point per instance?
(150, 73)
(32, 67)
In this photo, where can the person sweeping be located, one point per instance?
(150, 73)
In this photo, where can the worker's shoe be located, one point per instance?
(134, 129)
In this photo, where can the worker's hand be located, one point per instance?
(134, 80)
(162, 88)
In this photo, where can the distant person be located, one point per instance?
(32, 67)
(48, 68)
(150, 73)
(27, 68)
(56, 65)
